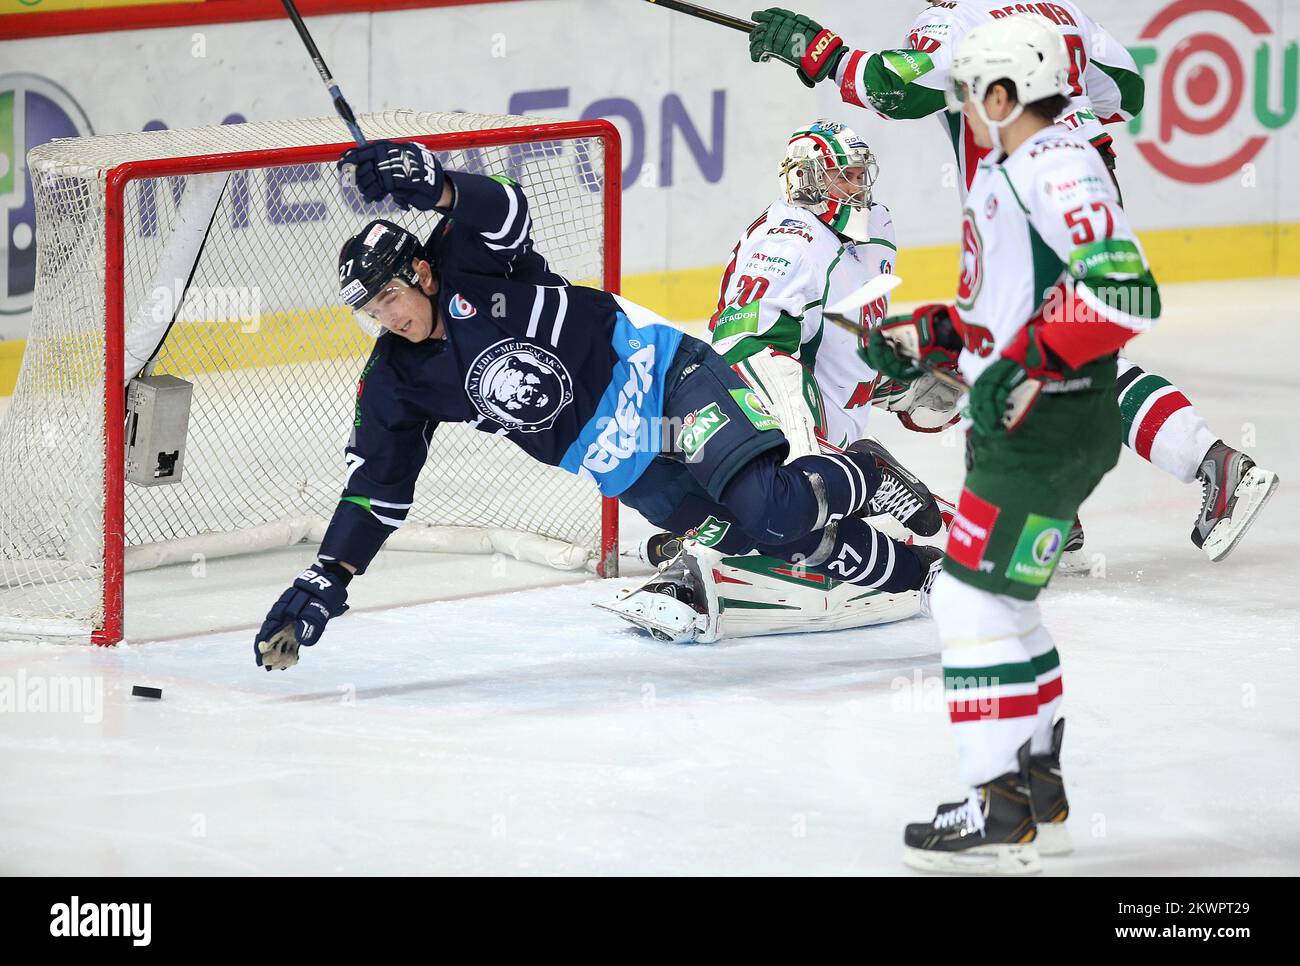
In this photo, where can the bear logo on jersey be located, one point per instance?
(519, 385)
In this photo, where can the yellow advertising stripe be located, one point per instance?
(11, 357)
(48, 6)
(277, 338)
(930, 273)
(690, 295)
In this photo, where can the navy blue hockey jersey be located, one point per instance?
(560, 370)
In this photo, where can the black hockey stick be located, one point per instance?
(340, 103)
(725, 20)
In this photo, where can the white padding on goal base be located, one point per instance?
(418, 537)
(529, 547)
(46, 629)
(184, 550)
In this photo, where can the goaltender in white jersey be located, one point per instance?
(816, 246)
(791, 263)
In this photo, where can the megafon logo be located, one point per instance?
(1211, 56)
(33, 110)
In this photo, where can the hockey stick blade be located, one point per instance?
(878, 287)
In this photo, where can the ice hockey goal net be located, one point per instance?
(210, 255)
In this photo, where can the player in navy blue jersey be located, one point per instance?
(478, 329)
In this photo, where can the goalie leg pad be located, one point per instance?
(751, 596)
(790, 394)
(678, 605)
(852, 551)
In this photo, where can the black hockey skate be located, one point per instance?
(1072, 559)
(931, 560)
(1074, 539)
(991, 833)
(1047, 791)
(900, 494)
(1233, 491)
(659, 548)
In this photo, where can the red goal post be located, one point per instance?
(572, 172)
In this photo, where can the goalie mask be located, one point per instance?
(829, 170)
(371, 259)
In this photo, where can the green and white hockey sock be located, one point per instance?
(1160, 423)
(1047, 675)
(990, 682)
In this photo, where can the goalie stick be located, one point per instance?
(876, 288)
(1017, 404)
(879, 287)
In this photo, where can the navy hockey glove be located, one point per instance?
(299, 617)
(408, 173)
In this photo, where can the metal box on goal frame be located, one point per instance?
(157, 422)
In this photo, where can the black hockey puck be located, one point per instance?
(140, 691)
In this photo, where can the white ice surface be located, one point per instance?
(527, 733)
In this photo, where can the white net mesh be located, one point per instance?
(273, 358)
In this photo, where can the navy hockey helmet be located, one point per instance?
(373, 257)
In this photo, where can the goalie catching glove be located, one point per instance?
(408, 173)
(299, 617)
(903, 347)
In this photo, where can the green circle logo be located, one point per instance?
(1046, 544)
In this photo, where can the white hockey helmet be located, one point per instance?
(1022, 48)
(829, 170)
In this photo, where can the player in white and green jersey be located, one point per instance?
(1104, 87)
(908, 82)
(806, 251)
(822, 241)
(1043, 216)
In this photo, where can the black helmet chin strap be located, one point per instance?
(440, 344)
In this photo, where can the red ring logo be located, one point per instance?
(1202, 85)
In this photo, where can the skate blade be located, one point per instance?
(1074, 562)
(1054, 839)
(1251, 494)
(980, 860)
(659, 632)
